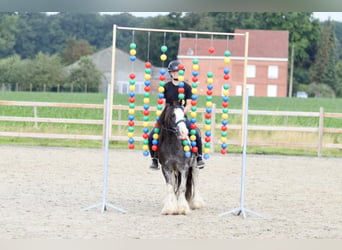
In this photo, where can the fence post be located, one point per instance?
(35, 113)
(104, 121)
(320, 131)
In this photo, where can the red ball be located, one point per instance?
(181, 90)
(148, 65)
(225, 104)
(193, 126)
(146, 112)
(195, 79)
(226, 77)
(154, 147)
(194, 149)
(156, 125)
(211, 50)
(160, 101)
(145, 136)
(207, 115)
(131, 123)
(131, 99)
(207, 139)
(193, 102)
(131, 146)
(223, 151)
(147, 89)
(209, 92)
(224, 127)
(162, 77)
(132, 75)
(180, 66)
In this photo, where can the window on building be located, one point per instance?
(272, 90)
(251, 71)
(273, 72)
(238, 90)
(124, 87)
(251, 89)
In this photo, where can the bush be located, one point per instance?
(320, 90)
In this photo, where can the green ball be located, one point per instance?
(181, 72)
(145, 141)
(193, 108)
(148, 70)
(159, 107)
(131, 105)
(195, 61)
(181, 96)
(185, 142)
(156, 130)
(194, 84)
(193, 131)
(132, 82)
(225, 110)
(130, 129)
(208, 121)
(226, 86)
(146, 94)
(224, 133)
(163, 48)
(162, 83)
(209, 98)
(227, 53)
(210, 74)
(207, 145)
(132, 46)
(146, 118)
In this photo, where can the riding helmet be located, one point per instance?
(173, 65)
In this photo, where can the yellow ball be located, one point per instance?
(186, 148)
(227, 60)
(208, 104)
(193, 114)
(223, 139)
(158, 112)
(155, 136)
(206, 150)
(193, 137)
(195, 67)
(210, 80)
(132, 52)
(145, 147)
(146, 100)
(131, 87)
(224, 116)
(181, 78)
(163, 57)
(146, 124)
(161, 89)
(194, 91)
(147, 76)
(130, 134)
(226, 92)
(207, 127)
(131, 111)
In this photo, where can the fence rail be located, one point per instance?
(320, 130)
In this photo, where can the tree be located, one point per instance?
(85, 77)
(324, 69)
(8, 30)
(75, 50)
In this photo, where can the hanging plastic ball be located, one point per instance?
(227, 53)
(131, 146)
(132, 76)
(226, 70)
(210, 74)
(211, 50)
(148, 65)
(180, 96)
(162, 71)
(195, 67)
(226, 86)
(227, 60)
(210, 80)
(187, 154)
(145, 153)
(163, 57)
(206, 156)
(132, 58)
(195, 61)
(154, 147)
(132, 46)
(132, 52)
(163, 48)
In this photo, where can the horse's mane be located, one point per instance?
(166, 121)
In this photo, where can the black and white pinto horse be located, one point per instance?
(180, 172)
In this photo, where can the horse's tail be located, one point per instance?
(189, 185)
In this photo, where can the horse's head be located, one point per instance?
(172, 118)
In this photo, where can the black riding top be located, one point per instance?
(171, 93)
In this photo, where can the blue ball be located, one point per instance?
(132, 58)
(181, 84)
(146, 106)
(193, 120)
(195, 73)
(187, 154)
(193, 143)
(131, 140)
(194, 97)
(224, 145)
(208, 133)
(208, 110)
(224, 122)
(145, 130)
(155, 142)
(210, 86)
(131, 117)
(226, 70)
(206, 156)
(147, 82)
(161, 95)
(162, 71)
(146, 153)
(131, 94)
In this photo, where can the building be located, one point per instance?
(267, 66)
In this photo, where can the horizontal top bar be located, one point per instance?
(180, 31)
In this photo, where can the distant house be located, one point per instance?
(267, 62)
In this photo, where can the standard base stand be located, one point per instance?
(104, 207)
(242, 211)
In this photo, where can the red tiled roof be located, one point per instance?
(262, 43)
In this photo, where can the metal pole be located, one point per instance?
(242, 210)
(111, 99)
(291, 72)
(244, 86)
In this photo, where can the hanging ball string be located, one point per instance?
(225, 104)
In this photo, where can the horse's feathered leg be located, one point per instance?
(196, 200)
(170, 202)
(183, 206)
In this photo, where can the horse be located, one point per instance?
(180, 172)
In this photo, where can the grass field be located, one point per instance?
(255, 103)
